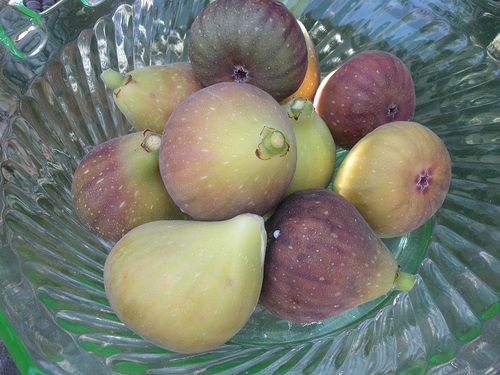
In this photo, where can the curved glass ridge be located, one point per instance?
(53, 298)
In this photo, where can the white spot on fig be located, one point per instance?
(276, 233)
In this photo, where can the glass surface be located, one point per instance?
(54, 314)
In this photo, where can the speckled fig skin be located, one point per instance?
(253, 41)
(117, 186)
(147, 96)
(227, 149)
(312, 79)
(187, 286)
(370, 89)
(322, 258)
(316, 151)
(397, 177)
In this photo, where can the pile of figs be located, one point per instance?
(226, 195)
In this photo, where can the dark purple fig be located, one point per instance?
(370, 89)
(117, 186)
(323, 259)
(258, 42)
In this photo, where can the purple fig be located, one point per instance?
(117, 186)
(370, 89)
(147, 96)
(258, 42)
(323, 258)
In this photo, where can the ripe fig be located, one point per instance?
(397, 177)
(117, 186)
(370, 89)
(312, 79)
(252, 41)
(323, 258)
(187, 286)
(227, 149)
(147, 96)
(316, 154)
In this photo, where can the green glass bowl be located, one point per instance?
(55, 318)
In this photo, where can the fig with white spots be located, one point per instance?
(258, 42)
(397, 177)
(325, 259)
(147, 96)
(117, 186)
(185, 285)
(227, 149)
(368, 90)
(316, 151)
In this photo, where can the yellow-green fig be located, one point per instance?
(147, 96)
(315, 146)
(187, 286)
(397, 177)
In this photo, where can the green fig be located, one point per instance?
(187, 286)
(323, 258)
(147, 96)
(227, 149)
(117, 186)
(316, 154)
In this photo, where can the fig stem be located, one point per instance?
(151, 142)
(404, 281)
(274, 143)
(112, 78)
(298, 107)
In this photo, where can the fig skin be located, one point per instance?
(147, 96)
(323, 258)
(370, 89)
(316, 151)
(187, 286)
(252, 41)
(227, 149)
(312, 79)
(117, 186)
(397, 177)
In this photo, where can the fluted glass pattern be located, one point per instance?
(53, 302)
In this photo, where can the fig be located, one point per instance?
(397, 177)
(117, 186)
(187, 286)
(323, 258)
(227, 149)
(147, 96)
(370, 89)
(312, 79)
(316, 154)
(258, 42)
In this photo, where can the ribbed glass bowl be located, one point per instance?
(55, 317)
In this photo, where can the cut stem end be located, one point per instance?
(112, 78)
(404, 281)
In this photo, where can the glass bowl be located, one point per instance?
(55, 318)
